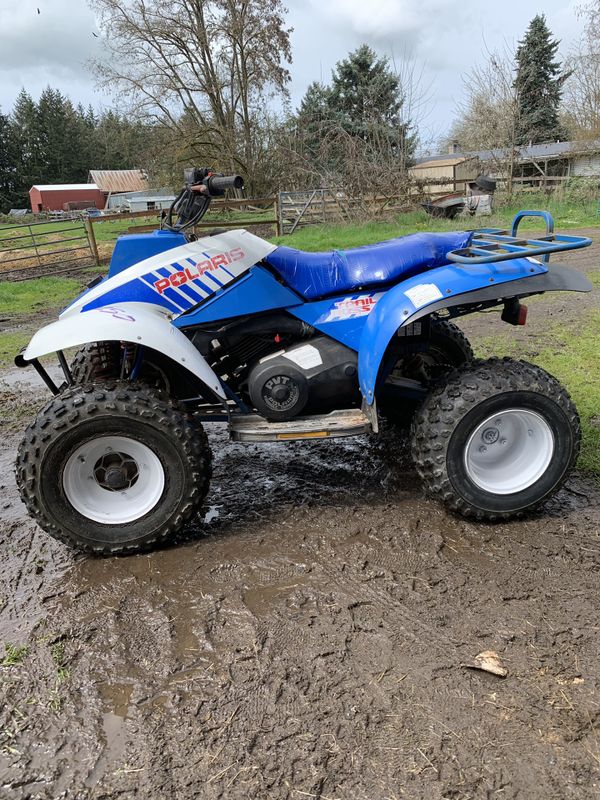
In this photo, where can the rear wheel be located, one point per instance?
(498, 438)
(448, 348)
(113, 468)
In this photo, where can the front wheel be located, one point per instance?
(112, 468)
(498, 438)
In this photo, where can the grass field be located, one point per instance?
(27, 296)
(28, 300)
(322, 237)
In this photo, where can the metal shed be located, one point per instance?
(150, 203)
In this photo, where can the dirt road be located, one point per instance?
(306, 639)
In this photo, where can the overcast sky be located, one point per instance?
(440, 39)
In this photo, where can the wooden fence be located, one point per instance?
(322, 206)
(254, 213)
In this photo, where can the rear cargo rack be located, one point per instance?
(494, 244)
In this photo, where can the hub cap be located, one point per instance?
(509, 451)
(113, 479)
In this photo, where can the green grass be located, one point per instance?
(31, 297)
(572, 354)
(14, 655)
(12, 237)
(57, 652)
(10, 344)
(327, 237)
(27, 296)
(111, 228)
(566, 215)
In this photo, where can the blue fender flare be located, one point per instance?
(436, 288)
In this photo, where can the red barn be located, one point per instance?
(52, 197)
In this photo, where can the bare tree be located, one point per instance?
(581, 97)
(202, 68)
(489, 115)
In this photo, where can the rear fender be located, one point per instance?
(138, 323)
(450, 286)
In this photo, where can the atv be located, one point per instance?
(283, 345)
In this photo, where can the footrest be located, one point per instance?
(254, 428)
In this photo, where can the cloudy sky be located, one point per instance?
(49, 41)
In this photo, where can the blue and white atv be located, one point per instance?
(280, 344)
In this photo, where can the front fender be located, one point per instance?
(137, 323)
(432, 290)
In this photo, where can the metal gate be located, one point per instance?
(312, 207)
(34, 249)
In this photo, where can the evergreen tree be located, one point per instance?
(538, 84)
(313, 114)
(8, 171)
(53, 141)
(314, 106)
(366, 94)
(53, 131)
(119, 142)
(364, 100)
(29, 160)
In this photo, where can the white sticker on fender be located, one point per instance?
(423, 293)
(306, 357)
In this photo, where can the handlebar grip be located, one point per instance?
(217, 184)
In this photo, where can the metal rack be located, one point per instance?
(490, 245)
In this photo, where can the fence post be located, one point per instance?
(279, 224)
(89, 227)
(37, 252)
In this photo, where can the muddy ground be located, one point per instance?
(306, 638)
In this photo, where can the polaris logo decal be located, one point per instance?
(197, 270)
(350, 307)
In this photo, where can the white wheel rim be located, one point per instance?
(509, 451)
(134, 472)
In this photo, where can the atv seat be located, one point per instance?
(314, 275)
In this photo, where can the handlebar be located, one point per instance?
(218, 184)
(192, 203)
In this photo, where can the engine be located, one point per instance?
(317, 374)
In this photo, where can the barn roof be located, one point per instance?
(69, 187)
(441, 161)
(119, 180)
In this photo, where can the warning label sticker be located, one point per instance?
(423, 293)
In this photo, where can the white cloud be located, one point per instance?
(49, 47)
(383, 19)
